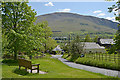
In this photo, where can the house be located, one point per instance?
(93, 48)
(57, 48)
(107, 43)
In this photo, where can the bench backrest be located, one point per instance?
(24, 63)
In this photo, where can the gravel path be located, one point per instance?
(88, 68)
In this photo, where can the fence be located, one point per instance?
(103, 56)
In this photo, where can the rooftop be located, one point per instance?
(92, 45)
(107, 41)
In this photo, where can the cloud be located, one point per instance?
(64, 10)
(101, 14)
(98, 11)
(111, 18)
(49, 4)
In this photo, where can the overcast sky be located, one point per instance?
(97, 9)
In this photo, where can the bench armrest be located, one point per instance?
(35, 64)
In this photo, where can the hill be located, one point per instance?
(78, 24)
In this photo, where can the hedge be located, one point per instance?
(96, 63)
(93, 62)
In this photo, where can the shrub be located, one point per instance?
(74, 57)
(20, 71)
(65, 56)
(68, 58)
(7, 56)
(10, 62)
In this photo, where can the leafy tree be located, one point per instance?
(50, 44)
(47, 32)
(112, 49)
(17, 21)
(87, 38)
(116, 9)
(66, 47)
(96, 39)
(117, 40)
(76, 48)
(0, 35)
(35, 39)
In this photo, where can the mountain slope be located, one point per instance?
(71, 22)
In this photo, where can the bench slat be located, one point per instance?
(27, 64)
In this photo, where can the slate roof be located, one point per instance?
(107, 41)
(92, 45)
(57, 48)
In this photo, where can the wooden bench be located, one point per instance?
(28, 64)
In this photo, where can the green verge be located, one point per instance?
(53, 67)
(94, 62)
(97, 63)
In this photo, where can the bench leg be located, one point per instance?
(31, 70)
(38, 70)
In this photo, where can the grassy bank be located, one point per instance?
(94, 62)
(54, 67)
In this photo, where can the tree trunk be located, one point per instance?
(45, 48)
(15, 55)
(30, 57)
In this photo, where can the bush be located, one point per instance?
(68, 58)
(10, 62)
(74, 57)
(20, 71)
(7, 56)
(96, 63)
(65, 56)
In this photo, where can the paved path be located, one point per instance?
(88, 68)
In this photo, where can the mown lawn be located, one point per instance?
(55, 69)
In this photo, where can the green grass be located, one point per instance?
(54, 67)
(89, 60)
(104, 57)
(97, 63)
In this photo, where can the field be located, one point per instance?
(55, 69)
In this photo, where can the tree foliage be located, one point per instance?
(87, 38)
(96, 39)
(50, 44)
(116, 10)
(47, 33)
(76, 47)
(66, 47)
(19, 31)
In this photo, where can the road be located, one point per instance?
(88, 68)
